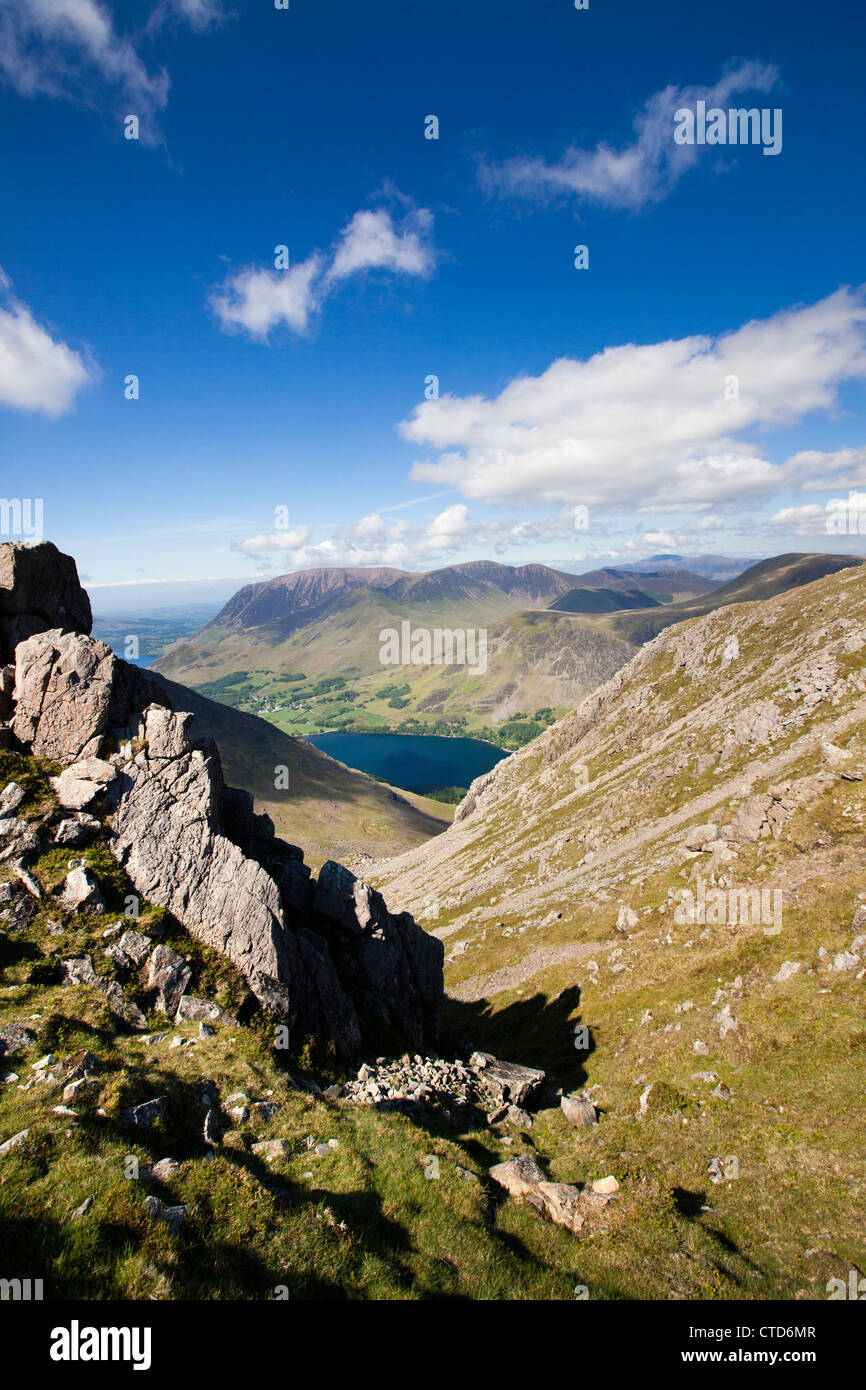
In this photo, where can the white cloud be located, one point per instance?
(37, 372)
(800, 521)
(72, 49)
(637, 174)
(657, 539)
(65, 48)
(371, 541)
(275, 540)
(652, 426)
(199, 14)
(819, 472)
(372, 241)
(255, 299)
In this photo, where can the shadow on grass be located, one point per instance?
(536, 1032)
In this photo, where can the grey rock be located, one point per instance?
(579, 1111)
(74, 793)
(266, 1109)
(77, 831)
(16, 1142)
(174, 1217)
(121, 1007)
(135, 945)
(627, 919)
(146, 1114)
(81, 892)
(119, 957)
(193, 1010)
(11, 798)
(508, 1083)
(78, 970)
(270, 1149)
(14, 1039)
(77, 1214)
(39, 589)
(212, 1132)
(19, 840)
(164, 1169)
(517, 1174)
(169, 974)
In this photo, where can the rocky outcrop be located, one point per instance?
(39, 589)
(325, 956)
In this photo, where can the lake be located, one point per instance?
(412, 761)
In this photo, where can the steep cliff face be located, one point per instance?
(322, 955)
(39, 588)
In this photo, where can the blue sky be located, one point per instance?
(698, 387)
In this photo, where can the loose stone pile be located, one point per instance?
(484, 1083)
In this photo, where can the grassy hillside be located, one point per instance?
(329, 675)
(761, 581)
(606, 600)
(724, 1056)
(720, 1039)
(362, 1220)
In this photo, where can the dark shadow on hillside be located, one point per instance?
(536, 1032)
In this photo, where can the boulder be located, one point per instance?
(506, 1083)
(39, 589)
(626, 920)
(11, 798)
(81, 892)
(523, 1178)
(193, 1010)
(77, 831)
(701, 835)
(14, 1039)
(145, 1115)
(16, 1142)
(135, 945)
(579, 1111)
(169, 974)
(174, 1217)
(270, 1149)
(82, 782)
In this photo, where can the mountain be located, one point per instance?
(580, 600)
(305, 650)
(306, 666)
(663, 899)
(656, 912)
(763, 580)
(665, 584)
(715, 567)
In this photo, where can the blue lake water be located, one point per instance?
(412, 761)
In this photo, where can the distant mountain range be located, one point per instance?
(716, 567)
(303, 649)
